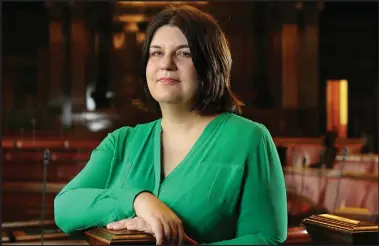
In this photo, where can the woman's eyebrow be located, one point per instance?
(177, 47)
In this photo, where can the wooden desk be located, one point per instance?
(102, 236)
(331, 229)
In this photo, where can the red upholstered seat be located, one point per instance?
(351, 193)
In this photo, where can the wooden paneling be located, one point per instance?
(290, 54)
(23, 170)
(26, 171)
(21, 206)
(57, 58)
(79, 48)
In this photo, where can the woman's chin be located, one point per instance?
(168, 100)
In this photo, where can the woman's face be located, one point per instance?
(170, 73)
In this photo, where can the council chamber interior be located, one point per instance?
(307, 70)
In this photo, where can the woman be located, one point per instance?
(200, 174)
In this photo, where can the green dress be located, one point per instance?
(229, 189)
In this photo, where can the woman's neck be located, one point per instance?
(175, 120)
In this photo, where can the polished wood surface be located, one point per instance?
(102, 236)
(332, 229)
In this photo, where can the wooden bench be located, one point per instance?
(31, 231)
(23, 170)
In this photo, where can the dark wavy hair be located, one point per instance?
(210, 55)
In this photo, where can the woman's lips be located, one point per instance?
(168, 81)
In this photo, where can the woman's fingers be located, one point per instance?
(136, 224)
(141, 225)
(174, 230)
(158, 231)
(188, 240)
(167, 231)
(180, 233)
(171, 231)
(154, 212)
(122, 224)
(116, 225)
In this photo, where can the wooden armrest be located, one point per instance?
(102, 236)
(27, 231)
(332, 229)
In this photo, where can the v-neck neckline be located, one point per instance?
(158, 148)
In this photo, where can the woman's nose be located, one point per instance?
(167, 62)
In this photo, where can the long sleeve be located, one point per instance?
(85, 202)
(263, 209)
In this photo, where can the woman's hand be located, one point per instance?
(134, 224)
(165, 224)
(138, 224)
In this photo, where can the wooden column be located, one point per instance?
(274, 53)
(308, 57)
(124, 67)
(57, 49)
(290, 51)
(79, 42)
(104, 49)
(260, 50)
(42, 78)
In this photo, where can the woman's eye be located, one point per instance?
(156, 53)
(184, 53)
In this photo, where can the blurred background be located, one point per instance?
(76, 65)
(308, 70)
